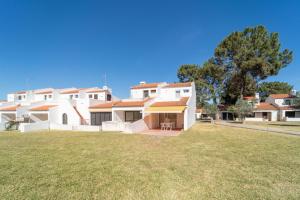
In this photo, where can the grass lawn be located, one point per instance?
(291, 126)
(207, 162)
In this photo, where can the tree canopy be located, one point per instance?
(251, 54)
(240, 62)
(276, 87)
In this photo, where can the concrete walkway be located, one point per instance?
(254, 127)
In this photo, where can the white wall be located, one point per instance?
(2, 126)
(169, 94)
(56, 113)
(139, 93)
(189, 113)
(34, 126)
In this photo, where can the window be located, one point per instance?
(50, 96)
(71, 96)
(19, 97)
(153, 91)
(146, 93)
(65, 118)
(290, 114)
(108, 97)
(287, 102)
(95, 96)
(99, 117)
(90, 96)
(45, 97)
(132, 116)
(76, 96)
(177, 93)
(186, 91)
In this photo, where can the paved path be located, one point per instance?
(254, 127)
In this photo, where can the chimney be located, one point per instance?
(293, 92)
(142, 82)
(257, 95)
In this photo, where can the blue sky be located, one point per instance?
(74, 43)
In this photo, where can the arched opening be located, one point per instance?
(65, 118)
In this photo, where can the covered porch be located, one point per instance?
(165, 118)
(8, 116)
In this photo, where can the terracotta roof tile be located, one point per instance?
(266, 106)
(281, 96)
(175, 85)
(10, 108)
(96, 91)
(74, 91)
(131, 103)
(181, 102)
(146, 85)
(45, 92)
(249, 98)
(42, 108)
(21, 92)
(103, 105)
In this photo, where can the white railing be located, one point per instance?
(28, 127)
(254, 119)
(296, 119)
(45, 125)
(2, 126)
(114, 126)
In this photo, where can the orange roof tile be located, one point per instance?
(146, 85)
(45, 92)
(74, 91)
(10, 108)
(249, 98)
(175, 85)
(266, 106)
(281, 96)
(96, 90)
(43, 108)
(181, 102)
(103, 105)
(21, 92)
(131, 103)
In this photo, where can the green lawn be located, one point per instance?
(207, 162)
(291, 126)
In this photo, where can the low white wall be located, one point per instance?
(114, 126)
(39, 126)
(26, 127)
(292, 119)
(87, 128)
(63, 127)
(253, 119)
(2, 126)
(136, 127)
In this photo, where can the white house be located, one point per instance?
(64, 108)
(150, 106)
(277, 107)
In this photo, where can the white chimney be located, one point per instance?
(142, 82)
(257, 95)
(294, 92)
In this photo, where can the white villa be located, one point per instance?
(150, 106)
(277, 107)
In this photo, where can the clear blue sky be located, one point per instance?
(61, 43)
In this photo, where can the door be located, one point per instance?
(99, 117)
